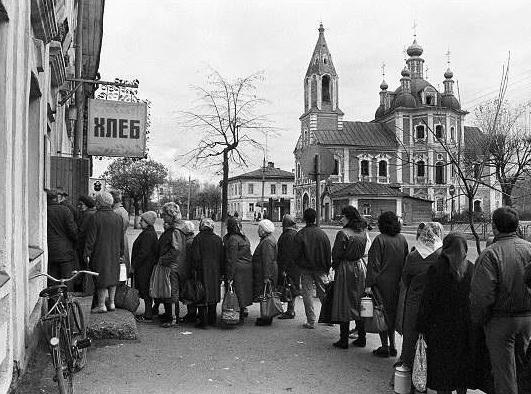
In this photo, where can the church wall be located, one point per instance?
(406, 168)
(354, 166)
(327, 122)
(392, 169)
(314, 92)
(406, 125)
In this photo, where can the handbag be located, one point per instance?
(270, 304)
(159, 283)
(193, 291)
(420, 365)
(326, 308)
(126, 297)
(286, 290)
(376, 323)
(230, 308)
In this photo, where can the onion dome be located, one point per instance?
(449, 101)
(380, 112)
(405, 100)
(384, 85)
(414, 49)
(405, 72)
(448, 74)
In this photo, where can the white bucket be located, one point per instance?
(366, 307)
(402, 381)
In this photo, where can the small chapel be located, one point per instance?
(398, 160)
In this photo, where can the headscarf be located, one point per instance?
(104, 199)
(454, 249)
(233, 226)
(173, 210)
(149, 217)
(266, 226)
(288, 222)
(189, 227)
(206, 224)
(429, 238)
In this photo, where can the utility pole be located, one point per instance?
(189, 194)
(263, 186)
(317, 189)
(80, 94)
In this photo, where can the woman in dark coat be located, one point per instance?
(265, 269)
(185, 270)
(386, 260)
(349, 281)
(238, 264)
(207, 260)
(444, 317)
(287, 268)
(426, 253)
(104, 246)
(87, 207)
(144, 256)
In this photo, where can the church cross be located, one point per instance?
(448, 56)
(383, 69)
(415, 28)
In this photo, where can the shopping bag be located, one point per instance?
(159, 284)
(326, 308)
(123, 273)
(126, 297)
(420, 365)
(230, 307)
(287, 290)
(376, 323)
(270, 304)
(193, 291)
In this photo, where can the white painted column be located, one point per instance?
(399, 206)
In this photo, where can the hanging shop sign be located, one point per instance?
(116, 128)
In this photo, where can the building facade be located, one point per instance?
(408, 143)
(37, 57)
(267, 190)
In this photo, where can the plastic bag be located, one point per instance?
(159, 284)
(420, 365)
(230, 308)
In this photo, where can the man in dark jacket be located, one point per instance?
(314, 259)
(62, 234)
(501, 301)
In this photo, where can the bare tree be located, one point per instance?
(228, 121)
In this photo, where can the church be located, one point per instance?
(398, 161)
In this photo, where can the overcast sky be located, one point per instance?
(171, 45)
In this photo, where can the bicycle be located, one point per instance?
(67, 332)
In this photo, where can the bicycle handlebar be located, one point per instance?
(76, 274)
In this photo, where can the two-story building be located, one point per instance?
(267, 190)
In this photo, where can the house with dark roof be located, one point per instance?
(264, 192)
(404, 147)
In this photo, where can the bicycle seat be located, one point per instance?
(52, 290)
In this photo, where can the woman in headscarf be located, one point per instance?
(386, 260)
(143, 258)
(207, 259)
(349, 248)
(426, 252)
(265, 270)
(238, 264)
(185, 269)
(287, 269)
(172, 254)
(444, 317)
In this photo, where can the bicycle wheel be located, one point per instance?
(79, 334)
(61, 358)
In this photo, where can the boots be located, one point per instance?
(361, 341)
(112, 293)
(100, 302)
(343, 336)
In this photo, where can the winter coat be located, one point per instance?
(207, 261)
(104, 245)
(264, 264)
(82, 228)
(350, 270)
(172, 254)
(313, 249)
(144, 256)
(387, 256)
(498, 286)
(287, 254)
(62, 233)
(71, 208)
(122, 212)
(239, 267)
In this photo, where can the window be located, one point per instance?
(240, 188)
(438, 131)
(439, 173)
(298, 170)
(336, 167)
(452, 133)
(250, 188)
(439, 205)
(477, 206)
(421, 170)
(325, 92)
(284, 189)
(364, 168)
(430, 100)
(382, 168)
(419, 132)
(251, 207)
(273, 189)
(477, 170)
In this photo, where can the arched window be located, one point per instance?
(421, 168)
(439, 173)
(364, 168)
(438, 131)
(452, 133)
(298, 170)
(382, 168)
(419, 132)
(325, 89)
(477, 206)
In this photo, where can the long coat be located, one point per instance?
(350, 271)
(207, 260)
(144, 256)
(444, 319)
(239, 267)
(264, 264)
(62, 233)
(122, 212)
(414, 281)
(172, 254)
(104, 245)
(387, 256)
(287, 255)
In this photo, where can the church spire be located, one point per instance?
(321, 61)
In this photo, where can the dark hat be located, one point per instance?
(88, 201)
(61, 192)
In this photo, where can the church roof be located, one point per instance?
(370, 134)
(269, 172)
(374, 189)
(321, 61)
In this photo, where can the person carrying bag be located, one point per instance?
(270, 304)
(230, 308)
